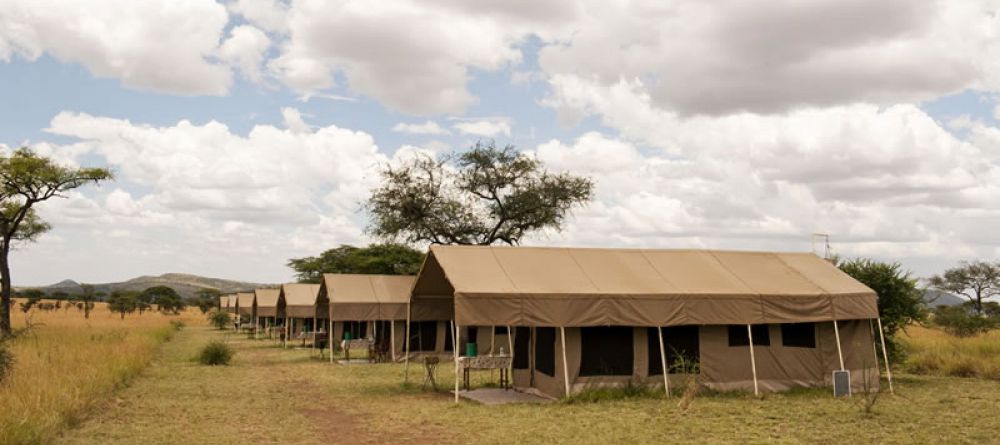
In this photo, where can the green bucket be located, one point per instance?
(470, 350)
(347, 335)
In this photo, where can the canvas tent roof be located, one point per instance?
(224, 301)
(245, 301)
(267, 301)
(367, 297)
(301, 300)
(529, 286)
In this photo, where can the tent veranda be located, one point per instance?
(267, 308)
(368, 306)
(584, 317)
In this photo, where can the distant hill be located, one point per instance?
(185, 284)
(935, 298)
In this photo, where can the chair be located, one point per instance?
(430, 364)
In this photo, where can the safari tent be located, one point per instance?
(267, 308)
(593, 317)
(303, 307)
(230, 303)
(368, 306)
(223, 303)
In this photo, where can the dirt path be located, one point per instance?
(268, 395)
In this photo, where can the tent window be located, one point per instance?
(355, 328)
(473, 334)
(500, 330)
(545, 351)
(522, 341)
(738, 335)
(680, 343)
(798, 335)
(606, 350)
(423, 336)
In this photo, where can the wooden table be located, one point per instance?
(347, 345)
(482, 362)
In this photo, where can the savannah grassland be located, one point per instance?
(111, 382)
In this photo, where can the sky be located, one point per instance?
(246, 132)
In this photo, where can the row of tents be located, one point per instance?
(576, 318)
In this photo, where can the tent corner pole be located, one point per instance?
(330, 339)
(663, 362)
(392, 340)
(753, 361)
(840, 352)
(885, 355)
(562, 336)
(406, 345)
(510, 344)
(454, 347)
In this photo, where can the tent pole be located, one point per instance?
(562, 335)
(454, 347)
(510, 343)
(885, 355)
(663, 362)
(840, 353)
(454, 338)
(753, 361)
(493, 338)
(256, 328)
(871, 332)
(392, 340)
(406, 344)
(315, 329)
(330, 339)
(288, 332)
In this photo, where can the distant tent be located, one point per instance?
(267, 308)
(586, 317)
(230, 300)
(369, 306)
(246, 304)
(223, 302)
(304, 308)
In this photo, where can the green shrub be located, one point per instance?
(219, 319)
(6, 361)
(961, 321)
(215, 353)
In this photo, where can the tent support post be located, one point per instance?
(315, 329)
(562, 335)
(663, 362)
(510, 344)
(406, 344)
(454, 339)
(330, 339)
(840, 352)
(288, 332)
(454, 347)
(256, 328)
(753, 361)
(392, 340)
(885, 355)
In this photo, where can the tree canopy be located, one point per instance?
(122, 302)
(900, 302)
(207, 299)
(27, 179)
(482, 196)
(386, 259)
(165, 298)
(975, 281)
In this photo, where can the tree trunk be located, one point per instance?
(5, 288)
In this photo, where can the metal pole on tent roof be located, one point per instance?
(753, 361)
(885, 355)
(562, 335)
(840, 353)
(454, 341)
(663, 362)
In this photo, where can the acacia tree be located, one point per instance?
(122, 302)
(207, 299)
(165, 298)
(975, 281)
(27, 179)
(86, 297)
(481, 196)
(385, 259)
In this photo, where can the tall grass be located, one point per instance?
(66, 365)
(935, 352)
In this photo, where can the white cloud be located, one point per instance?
(271, 15)
(484, 127)
(428, 127)
(154, 45)
(245, 49)
(293, 120)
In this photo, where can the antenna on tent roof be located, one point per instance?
(826, 244)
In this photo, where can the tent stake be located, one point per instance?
(885, 355)
(753, 361)
(840, 353)
(663, 362)
(454, 347)
(562, 335)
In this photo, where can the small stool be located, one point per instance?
(430, 364)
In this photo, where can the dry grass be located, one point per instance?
(275, 395)
(67, 364)
(934, 352)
